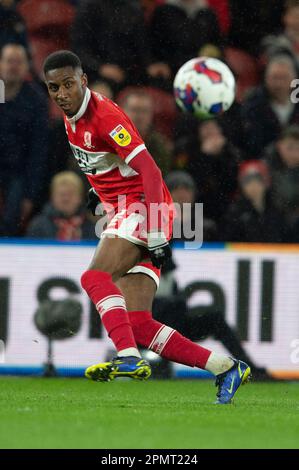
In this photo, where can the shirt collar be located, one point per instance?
(82, 109)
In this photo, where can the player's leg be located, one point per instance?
(113, 258)
(139, 290)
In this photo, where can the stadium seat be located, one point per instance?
(46, 16)
(222, 10)
(165, 111)
(48, 23)
(245, 68)
(40, 48)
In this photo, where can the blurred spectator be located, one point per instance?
(254, 217)
(139, 107)
(23, 141)
(178, 30)
(213, 162)
(149, 7)
(12, 26)
(250, 21)
(288, 41)
(183, 191)
(64, 217)
(110, 39)
(102, 87)
(283, 160)
(291, 24)
(232, 124)
(269, 108)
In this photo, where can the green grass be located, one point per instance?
(75, 413)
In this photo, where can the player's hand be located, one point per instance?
(159, 248)
(93, 201)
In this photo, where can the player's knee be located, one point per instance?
(91, 278)
(114, 269)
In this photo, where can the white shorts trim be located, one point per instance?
(144, 270)
(130, 238)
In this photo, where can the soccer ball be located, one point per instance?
(204, 87)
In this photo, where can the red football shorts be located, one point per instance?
(133, 227)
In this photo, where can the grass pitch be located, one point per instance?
(76, 413)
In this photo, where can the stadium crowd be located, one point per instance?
(244, 166)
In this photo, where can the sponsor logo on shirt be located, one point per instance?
(121, 136)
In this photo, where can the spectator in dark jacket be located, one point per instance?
(250, 21)
(283, 161)
(23, 140)
(179, 28)
(12, 26)
(254, 217)
(213, 162)
(64, 218)
(288, 40)
(189, 224)
(269, 109)
(110, 39)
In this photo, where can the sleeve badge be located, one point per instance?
(121, 136)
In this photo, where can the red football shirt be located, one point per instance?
(104, 141)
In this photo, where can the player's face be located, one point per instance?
(66, 87)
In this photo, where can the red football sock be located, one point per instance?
(166, 341)
(111, 306)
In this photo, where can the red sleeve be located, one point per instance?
(151, 175)
(152, 181)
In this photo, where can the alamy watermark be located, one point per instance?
(2, 92)
(182, 222)
(294, 97)
(294, 356)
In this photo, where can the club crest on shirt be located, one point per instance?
(87, 140)
(121, 136)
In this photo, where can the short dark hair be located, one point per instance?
(60, 59)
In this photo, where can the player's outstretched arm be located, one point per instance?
(151, 175)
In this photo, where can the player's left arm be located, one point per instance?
(128, 144)
(158, 246)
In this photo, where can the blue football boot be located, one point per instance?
(229, 382)
(131, 366)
